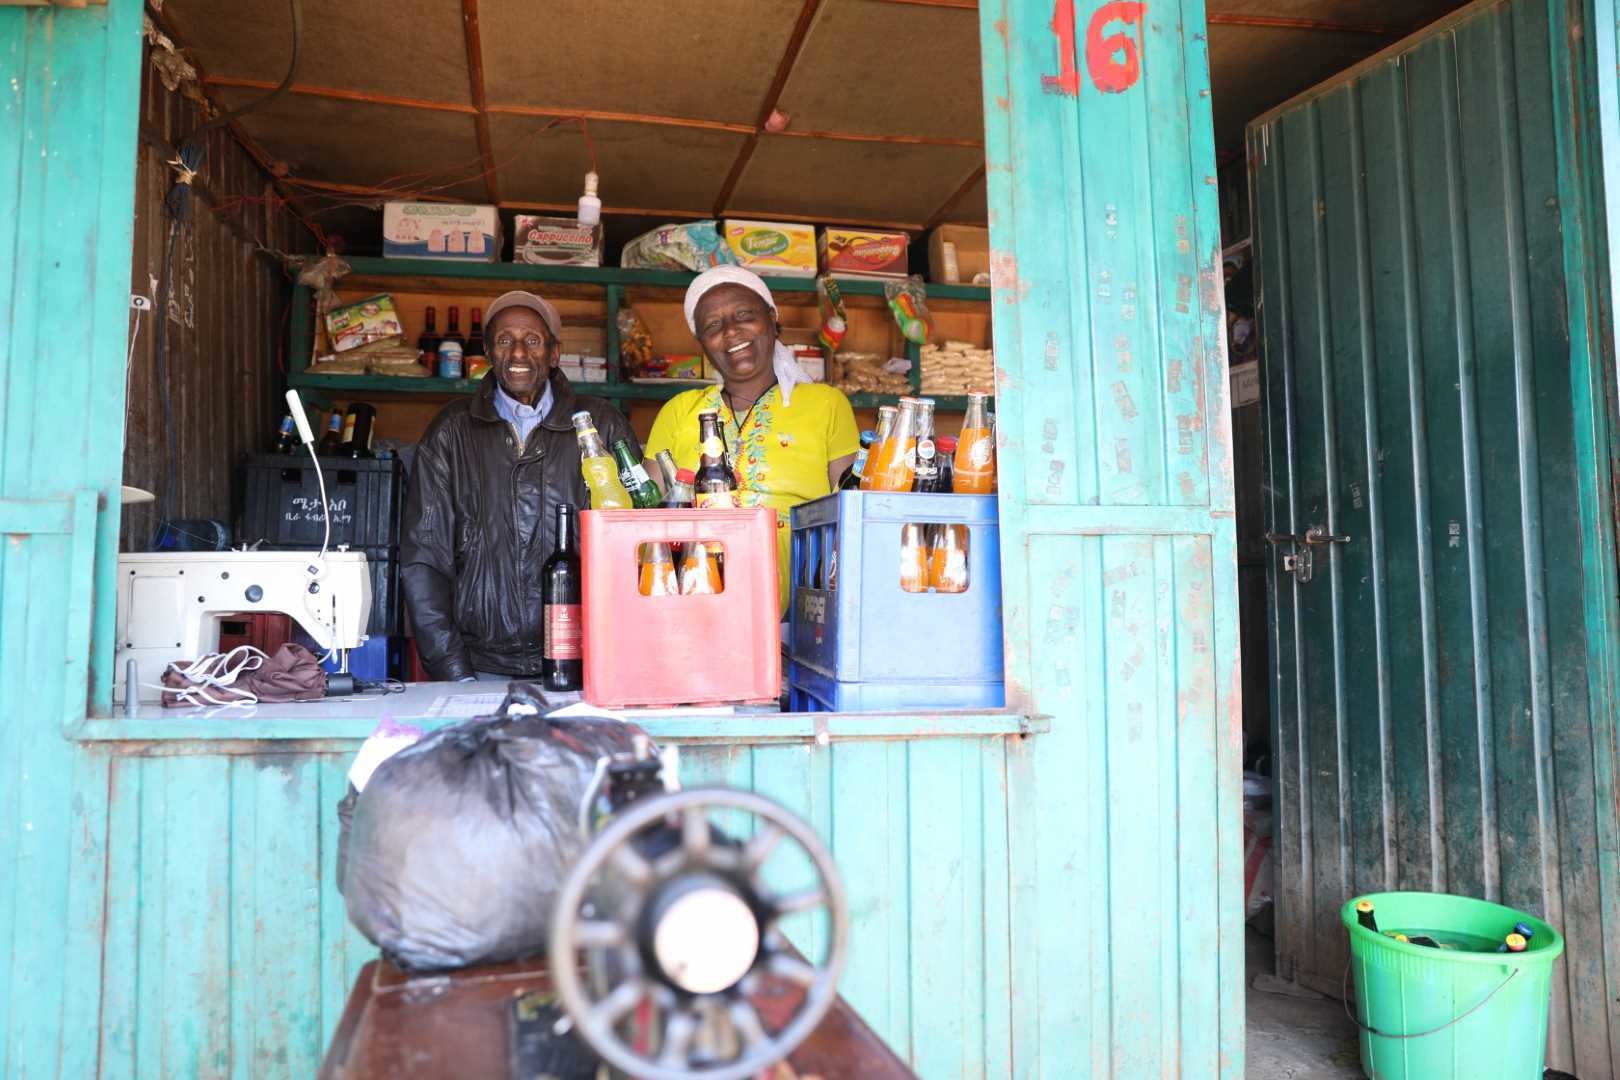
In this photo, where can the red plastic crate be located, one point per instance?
(680, 650)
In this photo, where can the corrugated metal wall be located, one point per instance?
(1434, 385)
(227, 316)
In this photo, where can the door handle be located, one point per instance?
(1318, 535)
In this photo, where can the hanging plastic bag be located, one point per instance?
(458, 843)
(908, 300)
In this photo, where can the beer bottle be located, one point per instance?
(851, 480)
(658, 576)
(562, 664)
(357, 430)
(894, 470)
(599, 470)
(975, 464)
(714, 487)
(885, 428)
(1365, 916)
(633, 475)
(332, 441)
(286, 441)
(913, 558)
(925, 463)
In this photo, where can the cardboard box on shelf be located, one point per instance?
(462, 233)
(810, 358)
(551, 241)
(972, 252)
(863, 253)
(773, 247)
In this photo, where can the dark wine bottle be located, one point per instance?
(562, 657)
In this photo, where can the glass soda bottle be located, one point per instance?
(714, 486)
(894, 469)
(658, 577)
(947, 559)
(975, 465)
(885, 429)
(851, 480)
(633, 475)
(913, 558)
(599, 470)
(925, 460)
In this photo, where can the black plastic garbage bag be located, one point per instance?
(458, 844)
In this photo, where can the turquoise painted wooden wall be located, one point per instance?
(1054, 891)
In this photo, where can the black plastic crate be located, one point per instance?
(281, 501)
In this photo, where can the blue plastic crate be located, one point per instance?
(379, 658)
(867, 628)
(811, 691)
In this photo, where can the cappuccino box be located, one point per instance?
(773, 248)
(429, 230)
(864, 253)
(551, 241)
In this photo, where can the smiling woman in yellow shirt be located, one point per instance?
(790, 438)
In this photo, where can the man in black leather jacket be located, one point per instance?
(480, 517)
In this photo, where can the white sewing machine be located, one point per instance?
(170, 603)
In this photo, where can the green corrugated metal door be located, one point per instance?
(1443, 716)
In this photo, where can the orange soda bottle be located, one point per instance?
(947, 560)
(658, 570)
(913, 558)
(885, 428)
(895, 469)
(974, 470)
(700, 571)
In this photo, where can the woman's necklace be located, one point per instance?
(731, 403)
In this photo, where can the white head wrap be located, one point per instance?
(788, 372)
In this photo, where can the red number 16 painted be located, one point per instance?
(1110, 72)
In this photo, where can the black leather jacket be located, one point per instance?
(480, 521)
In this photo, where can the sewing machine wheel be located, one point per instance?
(677, 923)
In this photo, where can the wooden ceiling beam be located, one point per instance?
(773, 95)
(619, 117)
(338, 94)
(956, 197)
(1280, 22)
(897, 140)
(475, 82)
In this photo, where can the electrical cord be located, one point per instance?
(221, 119)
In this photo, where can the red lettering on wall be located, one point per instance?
(1111, 75)
(1068, 82)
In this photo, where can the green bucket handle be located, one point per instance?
(1344, 988)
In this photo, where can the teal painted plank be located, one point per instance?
(14, 567)
(997, 933)
(945, 870)
(796, 777)
(186, 1025)
(120, 980)
(282, 987)
(870, 840)
(342, 948)
(84, 981)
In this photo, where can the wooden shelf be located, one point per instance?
(608, 284)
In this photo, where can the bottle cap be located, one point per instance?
(1364, 906)
(947, 444)
(1524, 930)
(685, 476)
(1399, 937)
(1516, 943)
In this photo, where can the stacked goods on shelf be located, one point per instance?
(956, 367)
(773, 247)
(552, 241)
(863, 253)
(868, 373)
(425, 230)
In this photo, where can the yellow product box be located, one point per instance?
(773, 248)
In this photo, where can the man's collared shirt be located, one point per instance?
(523, 418)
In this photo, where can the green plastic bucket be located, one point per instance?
(1434, 1014)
